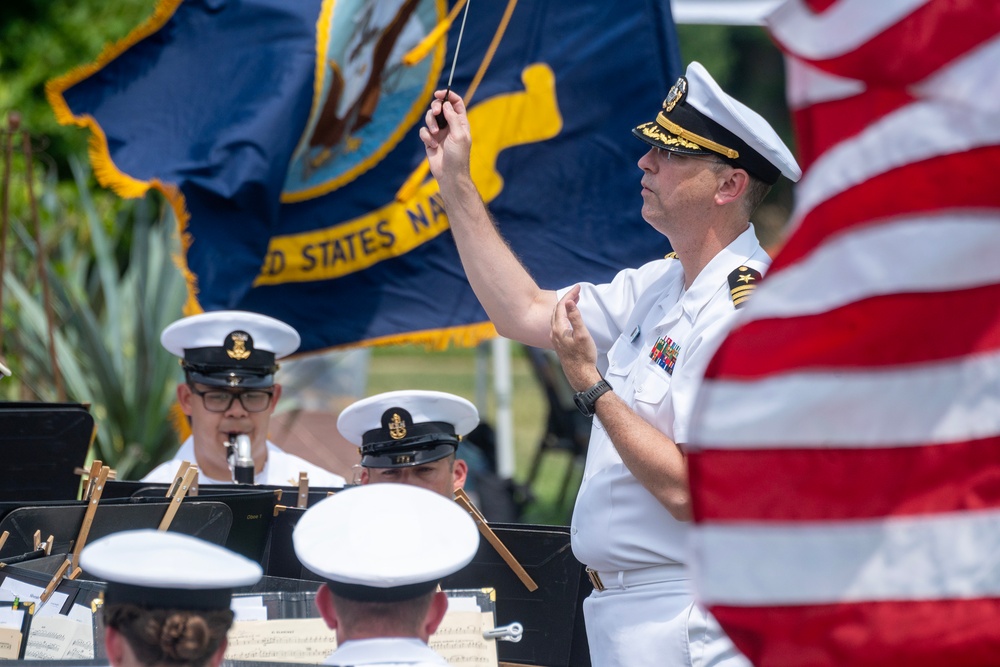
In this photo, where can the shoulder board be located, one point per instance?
(670, 255)
(742, 282)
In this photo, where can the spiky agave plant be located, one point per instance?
(114, 288)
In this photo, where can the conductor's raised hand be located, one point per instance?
(573, 343)
(447, 146)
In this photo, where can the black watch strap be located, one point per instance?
(585, 399)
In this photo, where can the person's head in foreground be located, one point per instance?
(411, 437)
(382, 550)
(168, 596)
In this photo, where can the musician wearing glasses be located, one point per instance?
(229, 394)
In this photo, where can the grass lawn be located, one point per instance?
(455, 371)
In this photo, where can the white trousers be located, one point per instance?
(655, 625)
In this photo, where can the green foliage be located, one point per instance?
(42, 39)
(112, 294)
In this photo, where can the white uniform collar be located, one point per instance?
(716, 272)
(389, 650)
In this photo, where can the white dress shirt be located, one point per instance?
(389, 652)
(618, 524)
(281, 469)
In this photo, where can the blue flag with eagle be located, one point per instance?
(284, 133)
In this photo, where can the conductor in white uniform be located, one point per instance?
(382, 550)
(229, 359)
(635, 350)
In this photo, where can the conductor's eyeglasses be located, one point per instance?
(253, 400)
(674, 155)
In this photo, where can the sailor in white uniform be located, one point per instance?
(382, 550)
(411, 437)
(229, 394)
(168, 596)
(635, 350)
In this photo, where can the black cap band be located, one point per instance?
(400, 443)
(168, 598)
(361, 593)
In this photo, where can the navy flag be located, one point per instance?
(284, 134)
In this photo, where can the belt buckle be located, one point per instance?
(595, 579)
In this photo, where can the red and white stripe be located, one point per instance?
(845, 454)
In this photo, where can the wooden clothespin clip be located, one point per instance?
(278, 509)
(95, 470)
(88, 518)
(463, 499)
(178, 478)
(76, 573)
(48, 545)
(191, 472)
(3, 538)
(303, 501)
(54, 582)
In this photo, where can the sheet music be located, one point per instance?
(31, 593)
(58, 638)
(304, 640)
(459, 639)
(10, 643)
(11, 618)
(248, 608)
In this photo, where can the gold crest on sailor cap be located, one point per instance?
(742, 282)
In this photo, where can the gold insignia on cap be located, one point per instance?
(239, 351)
(742, 282)
(397, 427)
(675, 94)
(652, 131)
(700, 141)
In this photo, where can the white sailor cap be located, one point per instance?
(163, 570)
(385, 542)
(699, 118)
(399, 429)
(230, 348)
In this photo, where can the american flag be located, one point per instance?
(845, 463)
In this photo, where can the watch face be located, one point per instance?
(583, 405)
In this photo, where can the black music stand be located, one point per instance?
(205, 519)
(42, 444)
(552, 616)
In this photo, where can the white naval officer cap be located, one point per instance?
(230, 348)
(385, 542)
(162, 570)
(399, 429)
(699, 118)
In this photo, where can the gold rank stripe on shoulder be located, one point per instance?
(670, 255)
(742, 282)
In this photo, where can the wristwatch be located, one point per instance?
(585, 399)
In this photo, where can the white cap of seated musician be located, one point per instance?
(399, 429)
(158, 569)
(230, 348)
(385, 542)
